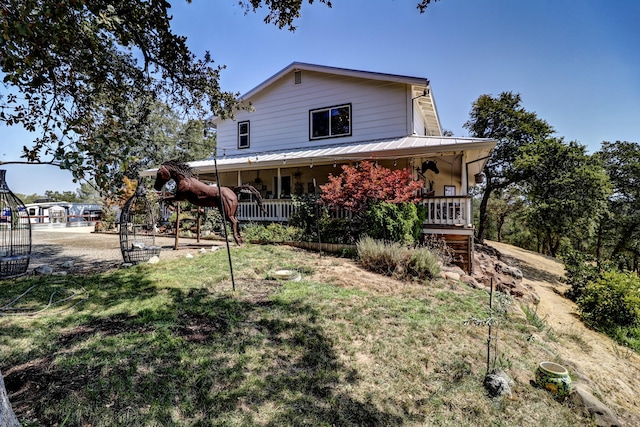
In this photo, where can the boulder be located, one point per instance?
(43, 269)
(488, 266)
(68, 264)
(452, 276)
(469, 280)
(601, 415)
(497, 383)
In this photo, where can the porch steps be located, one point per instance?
(461, 247)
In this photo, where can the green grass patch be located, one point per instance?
(172, 344)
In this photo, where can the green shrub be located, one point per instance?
(339, 230)
(629, 337)
(311, 218)
(401, 222)
(391, 221)
(423, 264)
(579, 271)
(307, 215)
(211, 220)
(611, 301)
(272, 233)
(396, 260)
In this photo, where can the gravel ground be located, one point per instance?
(88, 251)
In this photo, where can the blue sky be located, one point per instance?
(575, 63)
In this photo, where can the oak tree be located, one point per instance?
(620, 230)
(83, 75)
(504, 119)
(567, 190)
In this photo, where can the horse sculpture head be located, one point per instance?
(171, 169)
(162, 177)
(430, 165)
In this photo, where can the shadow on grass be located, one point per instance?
(54, 256)
(198, 357)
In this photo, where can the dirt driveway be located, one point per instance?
(94, 252)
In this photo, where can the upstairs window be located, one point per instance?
(330, 122)
(243, 134)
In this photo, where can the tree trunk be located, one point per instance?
(629, 229)
(482, 226)
(599, 244)
(7, 417)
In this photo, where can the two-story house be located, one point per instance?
(307, 120)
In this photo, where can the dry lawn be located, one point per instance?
(448, 349)
(610, 369)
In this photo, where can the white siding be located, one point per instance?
(280, 116)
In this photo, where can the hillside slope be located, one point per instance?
(611, 370)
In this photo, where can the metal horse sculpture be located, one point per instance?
(189, 188)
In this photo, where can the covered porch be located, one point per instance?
(447, 166)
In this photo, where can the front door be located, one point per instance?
(285, 185)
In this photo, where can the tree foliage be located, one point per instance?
(87, 193)
(283, 13)
(620, 230)
(504, 119)
(505, 207)
(85, 75)
(356, 187)
(567, 191)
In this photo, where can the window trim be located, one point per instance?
(316, 110)
(247, 134)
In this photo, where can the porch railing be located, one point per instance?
(278, 210)
(445, 211)
(450, 210)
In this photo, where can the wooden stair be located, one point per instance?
(461, 248)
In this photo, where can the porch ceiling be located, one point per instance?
(405, 147)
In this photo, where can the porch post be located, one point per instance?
(239, 179)
(279, 189)
(464, 168)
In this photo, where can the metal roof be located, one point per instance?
(409, 146)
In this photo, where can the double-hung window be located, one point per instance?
(330, 122)
(243, 134)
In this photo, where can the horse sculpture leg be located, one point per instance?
(229, 208)
(236, 233)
